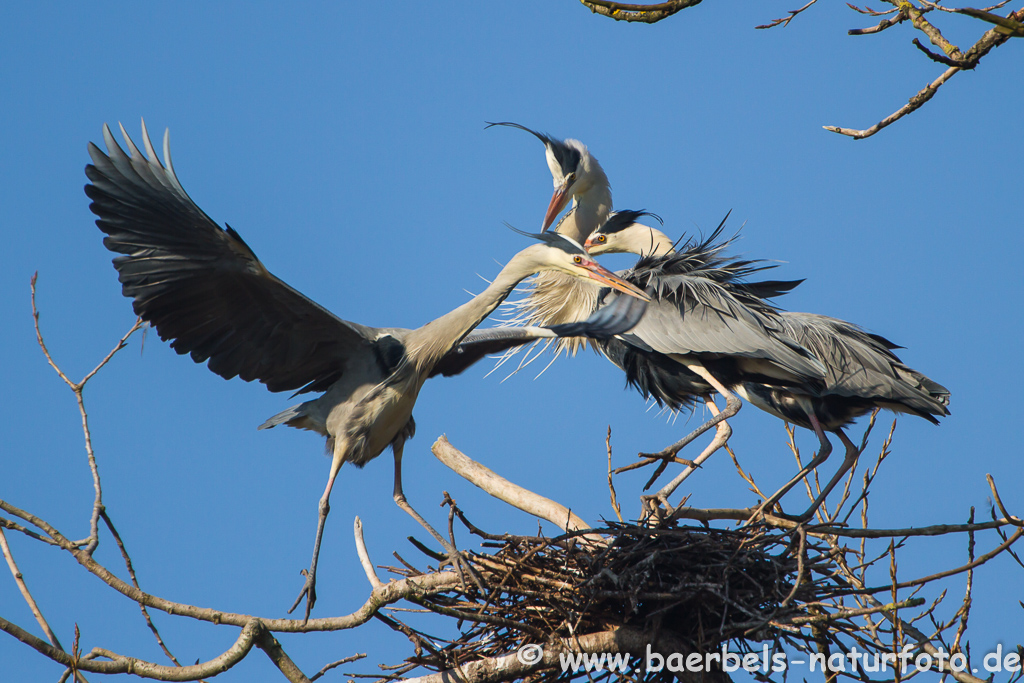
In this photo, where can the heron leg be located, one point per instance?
(722, 434)
(732, 406)
(398, 446)
(309, 588)
(852, 453)
(824, 451)
(454, 556)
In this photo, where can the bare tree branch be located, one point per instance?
(23, 587)
(991, 39)
(903, 10)
(135, 582)
(784, 21)
(504, 490)
(120, 664)
(647, 14)
(78, 388)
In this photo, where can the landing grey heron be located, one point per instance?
(203, 287)
(861, 371)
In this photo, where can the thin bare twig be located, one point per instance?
(332, 665)
(78, 388)
(135, 582)
(23, 587)
(784, 21)
(992, 38)
(611, 484)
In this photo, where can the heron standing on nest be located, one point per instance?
(861, 371)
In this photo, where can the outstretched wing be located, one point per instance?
(618, 314)
(203, 288)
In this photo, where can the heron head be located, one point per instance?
(574, 171)
(622, 234)
(560, 253)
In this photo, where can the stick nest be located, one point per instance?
(700, 586)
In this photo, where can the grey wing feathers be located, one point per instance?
(704, 306)
(862, 365)
(619, 314)
(700, 317)
(481, 343)
(203, 287)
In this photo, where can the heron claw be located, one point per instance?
(654, 508)
(308, 591)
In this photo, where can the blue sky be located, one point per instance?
(348, 147)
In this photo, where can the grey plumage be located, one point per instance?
(702, 309)
(861, 372)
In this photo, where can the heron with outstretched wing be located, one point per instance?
(203, 288)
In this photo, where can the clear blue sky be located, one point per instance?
(347, 146)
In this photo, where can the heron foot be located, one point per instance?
(667, 455)
(654, 509)
(308, 592)
(666, 459)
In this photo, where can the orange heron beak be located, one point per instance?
(610, 279)
(558, 201)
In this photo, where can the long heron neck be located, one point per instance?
(589, 211)
(428, 344)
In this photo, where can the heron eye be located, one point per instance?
(577, 259)
(602, 238)
(571, 178)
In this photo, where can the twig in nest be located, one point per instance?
(611, 484)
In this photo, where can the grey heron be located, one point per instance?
(708, 320)
(204, 288)
(861, 371)
(577, 175)
(558, 300)
(744, 341)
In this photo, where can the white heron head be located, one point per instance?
(622, 234)
(560, 253)
(574, 171)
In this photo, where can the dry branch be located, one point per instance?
(903, 11)
(504, 490)
(958, 61)
(647, 14)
